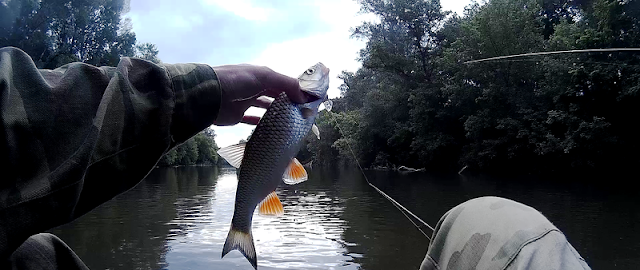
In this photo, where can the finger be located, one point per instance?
(276, 83)
(298, 96)
(250, 119)
(262, 102)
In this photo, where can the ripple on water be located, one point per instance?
(307, 236)
(178, 218)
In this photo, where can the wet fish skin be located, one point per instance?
(271, 148)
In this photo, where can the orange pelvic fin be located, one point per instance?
(271, 205)
(295, 173)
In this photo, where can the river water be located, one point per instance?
(178, 218)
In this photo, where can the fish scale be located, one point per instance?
(267, 155)
(273, 143)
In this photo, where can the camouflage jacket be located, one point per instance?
(63, 128)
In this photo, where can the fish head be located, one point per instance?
(315, 81)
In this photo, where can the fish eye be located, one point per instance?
(310, 71)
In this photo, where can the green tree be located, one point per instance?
(199, 149)
(418, 104)
(397, 63)
(148, 51)
(55, 32)
(206, 148)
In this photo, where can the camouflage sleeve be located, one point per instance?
(74, 137)
(497, 233)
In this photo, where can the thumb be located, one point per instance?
(275, 83)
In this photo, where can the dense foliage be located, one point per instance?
(57, 32)
(199, 149)
(415, 102)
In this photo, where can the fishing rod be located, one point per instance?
(552, 52)
(406, 211)
(395, 203)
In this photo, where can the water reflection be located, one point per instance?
(600, 221)
(131, 230)
(178, 218)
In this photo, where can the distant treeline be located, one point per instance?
(415, 102)
(200, 149)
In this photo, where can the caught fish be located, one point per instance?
(269, 157)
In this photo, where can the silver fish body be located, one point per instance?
(271, 148)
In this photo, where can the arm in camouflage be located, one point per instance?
(497, 233)
(74, 137)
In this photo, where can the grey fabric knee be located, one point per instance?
(45, 251)
(497, 233)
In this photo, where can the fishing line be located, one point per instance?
(399, 206)
(553, 52)
(406, 211)
(581, 62)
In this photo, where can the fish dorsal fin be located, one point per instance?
(271, 205)
(295, 173)
(233, 154)
(316, 131)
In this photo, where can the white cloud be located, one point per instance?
(341, 14)
(334, 50)
(243, 8)
(333, 47)
(229, 135)
(184, 22)
(456, 6)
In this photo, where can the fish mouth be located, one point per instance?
(325, 69)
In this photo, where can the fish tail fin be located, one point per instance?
(243, 242)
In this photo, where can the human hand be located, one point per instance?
(244, 86)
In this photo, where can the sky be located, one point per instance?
(286, 35)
